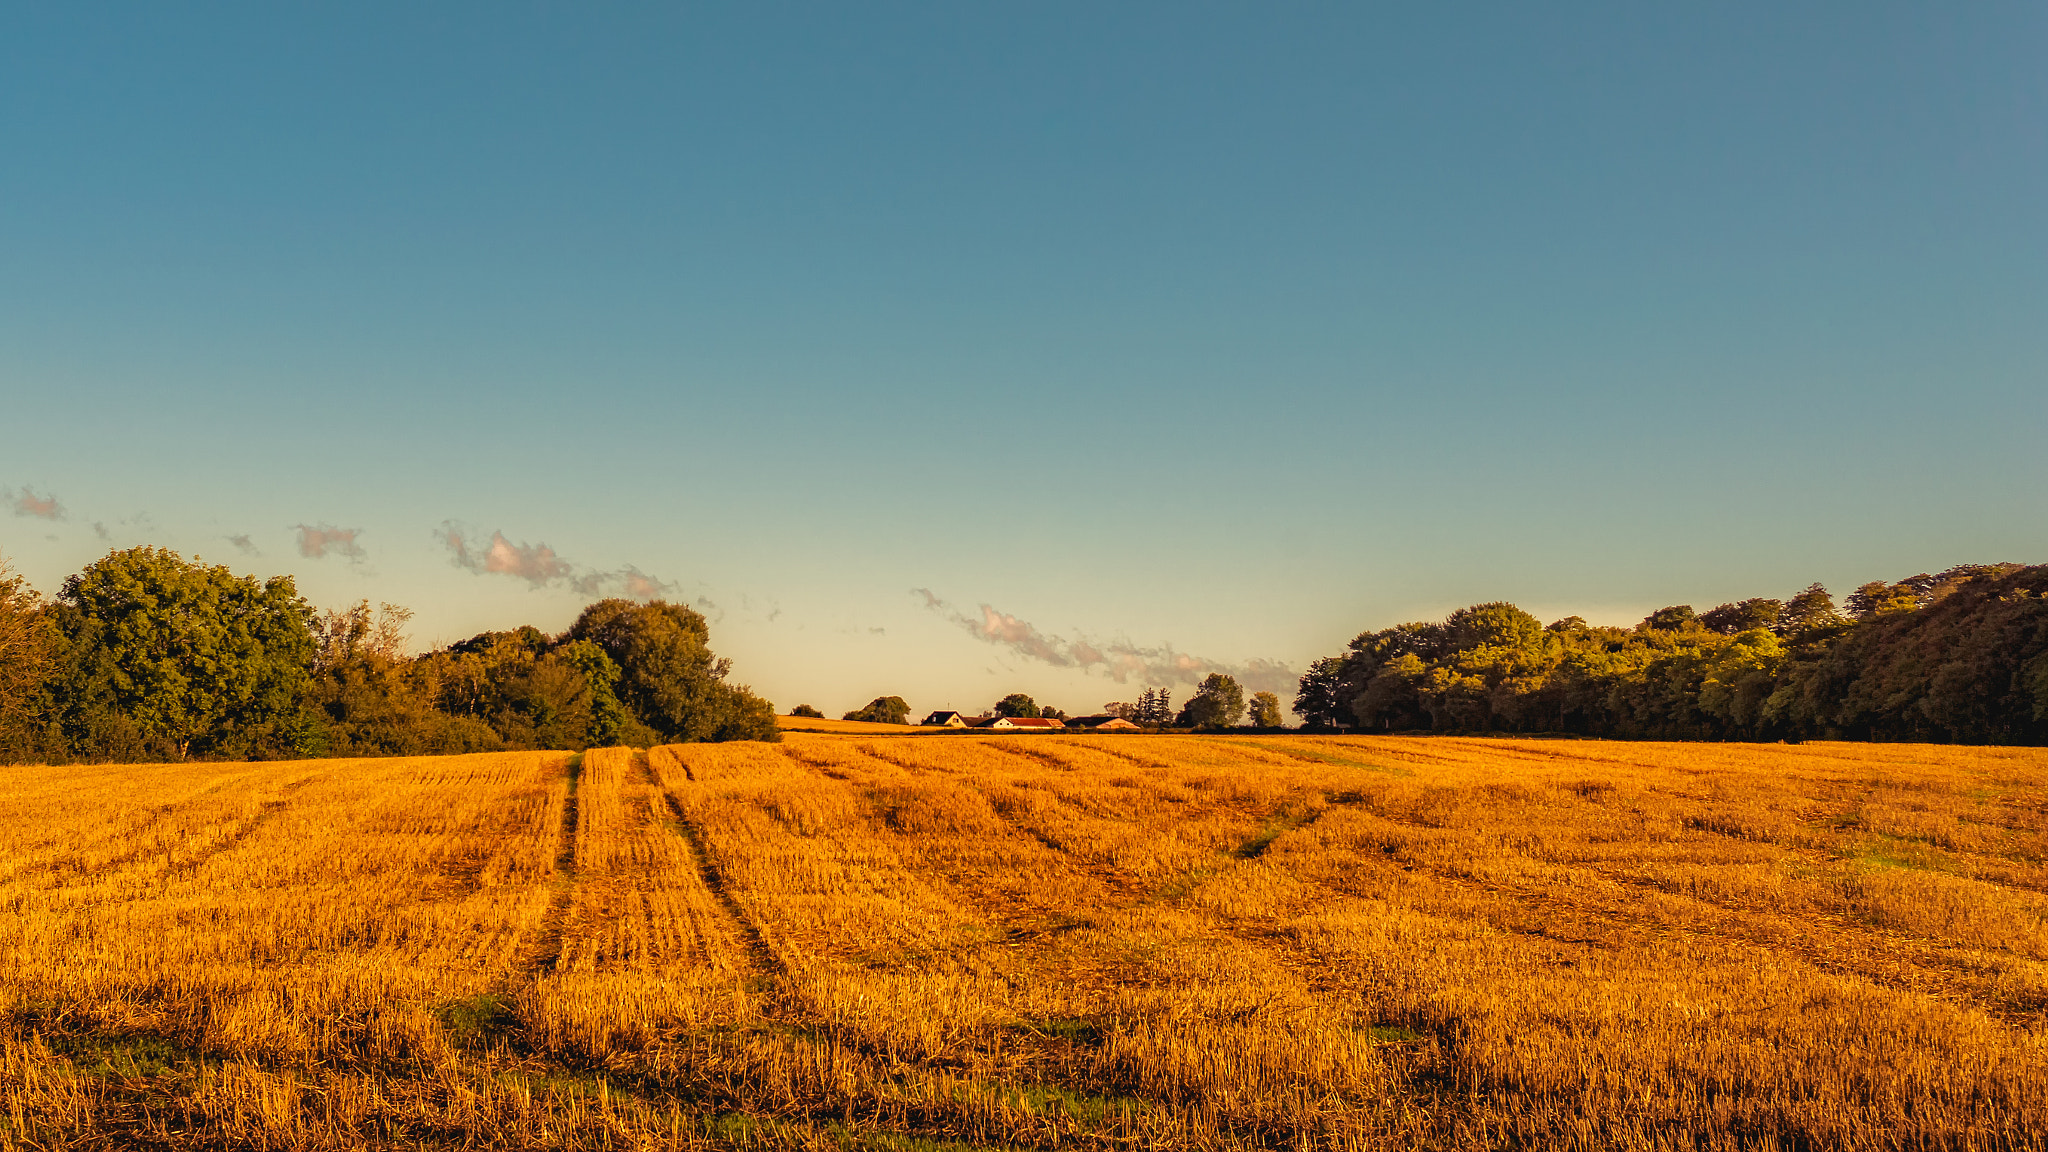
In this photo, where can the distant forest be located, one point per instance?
(1961, 655)
(148, 656)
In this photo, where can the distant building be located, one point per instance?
(946, 720)
(1103, 724)
(1023, 723)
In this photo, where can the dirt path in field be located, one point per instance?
(762, 957)
(544, 953)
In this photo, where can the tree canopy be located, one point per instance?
(26, 645)
(1218, 702)
(145, 655)
(1016, 704)
(668, 676)
(1264, 710)
(1954, 656)
(164, 655)
(882, 710)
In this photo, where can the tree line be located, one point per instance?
(146, 655)
(1960, 655)
(1218, 702)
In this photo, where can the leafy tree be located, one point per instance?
(1495, 625)
(1050, 713)
(1970, 666)
(807, 711)
(668, 677)
(1673, 619)
(1016, 704)
(1730, 619)
(882, 710)
(171, 657)
(1810, 616)
(1217, 703)
(1155, 708)
(1265, 710)
(610, 722)
(373, 699)
(1878, 598)
(1322, 699)
(25, 660)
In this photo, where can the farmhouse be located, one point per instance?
(1103, 724)
(946, 720)
(1023, 723)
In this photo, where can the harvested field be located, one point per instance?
(867, 938)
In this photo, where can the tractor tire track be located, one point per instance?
(714, 878)
(544, 954)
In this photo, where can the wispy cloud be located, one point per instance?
(1120, 660)
(100, 530)
(242, 542)
(45, 507)
(317, 540)
(541, 567)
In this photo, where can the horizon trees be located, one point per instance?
(1959, 655)
(147, 655)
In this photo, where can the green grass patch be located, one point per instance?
(1883, 852)
(1392, 1034)
(131, 1057)
(1077, 1106)
(562, 1082)
(1182, 886)
(1074, 1029)
(855, 1140)
(1276, 825)
(477, 1021)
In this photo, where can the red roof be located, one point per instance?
(1034, 722)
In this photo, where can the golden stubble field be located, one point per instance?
(870, 939)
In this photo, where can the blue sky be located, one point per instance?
(1198, 330)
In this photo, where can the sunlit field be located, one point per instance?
(878, 938)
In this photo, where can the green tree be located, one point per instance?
(882, 710)
(375, 700)
(1730, 619)
(1016, 704)
(669, 678)
(182, 659)
(1495, 625)
(1155, 708)
(1810, 616)
(807, 710)
(609, 720)
(1878, 598)
(1322, 699)
(1217, 703)
(1673, 619)
(1265, 710)
(25, 662)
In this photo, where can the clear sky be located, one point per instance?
(1181, 329)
